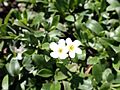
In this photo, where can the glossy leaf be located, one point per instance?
(46, 86)
(93, 60)
(55, 86)
(67, 85)
(38, 60)
(106, 74)
(60, 76)
(105, 86)
(1, 45)
(70, 18)
(45, 46)
(8, 16)
(55, 20)
(72, 67)
(87, 85)
(97, 72)
(94, 26)
(13, 67)
(5, 83)
(45, 73)
(38, 19)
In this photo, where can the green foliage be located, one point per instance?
(27, 27)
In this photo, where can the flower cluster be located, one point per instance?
(65, 48)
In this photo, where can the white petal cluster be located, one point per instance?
(19, 52)
(59, 50)
(65, 48)
(73, 47)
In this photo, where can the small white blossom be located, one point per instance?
(59, 50)
(19, 56)
(73, 47)
(19, 52)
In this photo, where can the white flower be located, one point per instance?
(73, 47)
(59, 50)
(19, 56)
(20, 51)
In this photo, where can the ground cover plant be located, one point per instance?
(59, 44)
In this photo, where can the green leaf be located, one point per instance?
(1, 45)
(5, 82)
(1, 1)
(27, 63)
(73, 4)
(82, 56)
(47, 58)
(70, 18)
(43, 1)
(112, 1)
(45, 46)
(106, 73)
(46, 86)
(22, 85)
(90, 5)
(94, 26)
(103, 5)
(45, 73)
(55, 86)
(0, 21)
(38, 19)
(72, 67)
(33, 40)
(39, 33)
(55, 33)
(116, 35)
(61, 6)
(27, 1)
(7, 18)
(67, 85)
(117, 80)
(110, 77)
(2, 64)
(93, 60)
(105, 86)
(97, 72)
(13, 67)
(116, 48)
(113, 6)
(116, 66)
(55, 21)
(118, 11)
(60, 75)
(87, 85)
(61, 27)
(38, 60)
(20, 24)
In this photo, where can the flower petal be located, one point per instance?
(54, 54)
(61, 42)
(53, 46)
(68, 41)
(72, 54)
(65, 49)
(63, 56)
(78, 51)
(19, 56)
(77, 43)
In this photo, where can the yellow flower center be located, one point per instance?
(60, 50)
(71, 48)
